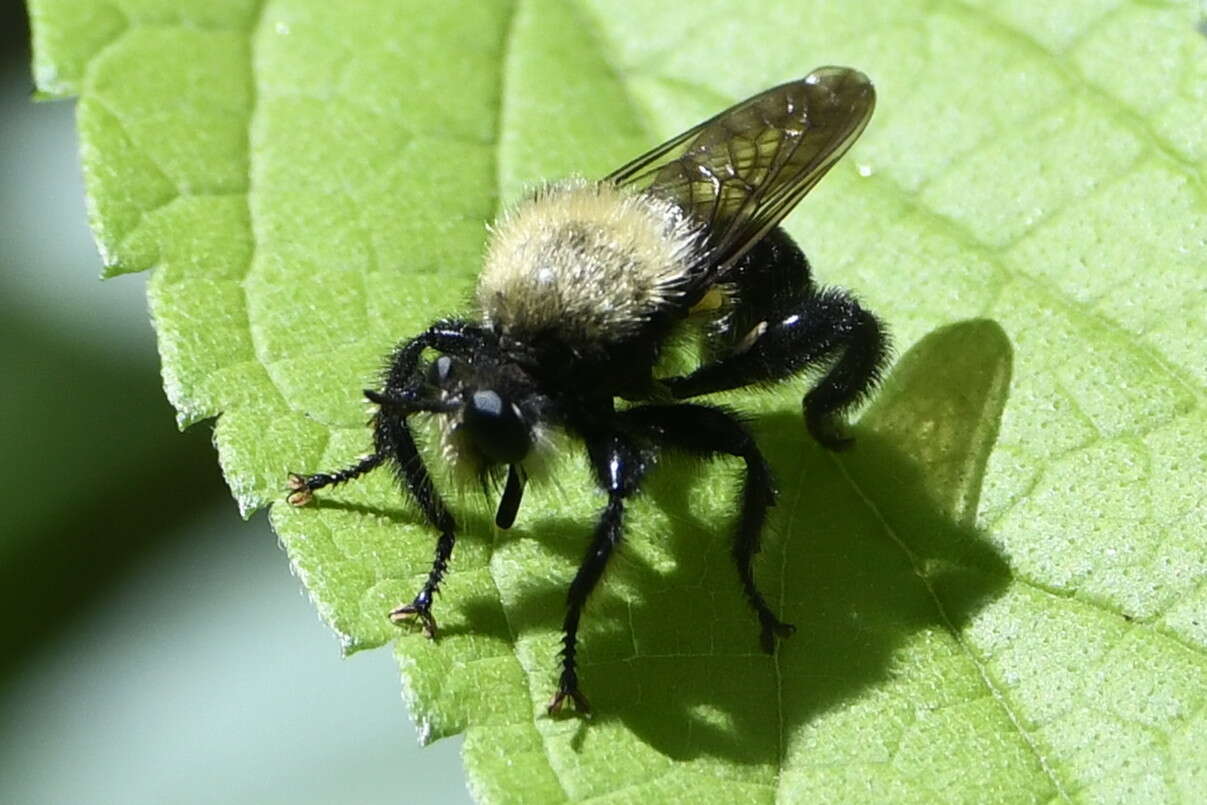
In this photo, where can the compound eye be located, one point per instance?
(496, 428)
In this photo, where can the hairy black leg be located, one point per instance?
(777, 323)
(825, 326)
(705, 431)
(858, 369)
(393, 441)
(393, 437)
(301, 487)
(619, 466)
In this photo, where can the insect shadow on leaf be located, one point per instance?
(865, 551)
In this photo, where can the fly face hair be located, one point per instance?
(583, 284)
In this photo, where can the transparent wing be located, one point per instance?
(742, 171)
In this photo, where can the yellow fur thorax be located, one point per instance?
(585, 261)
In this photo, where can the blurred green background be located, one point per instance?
(157, 647)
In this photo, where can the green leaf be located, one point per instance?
(999, 597)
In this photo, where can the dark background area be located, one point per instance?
(156, 646)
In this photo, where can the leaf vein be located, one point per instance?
(998, 695)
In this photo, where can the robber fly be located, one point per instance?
(584, 283)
